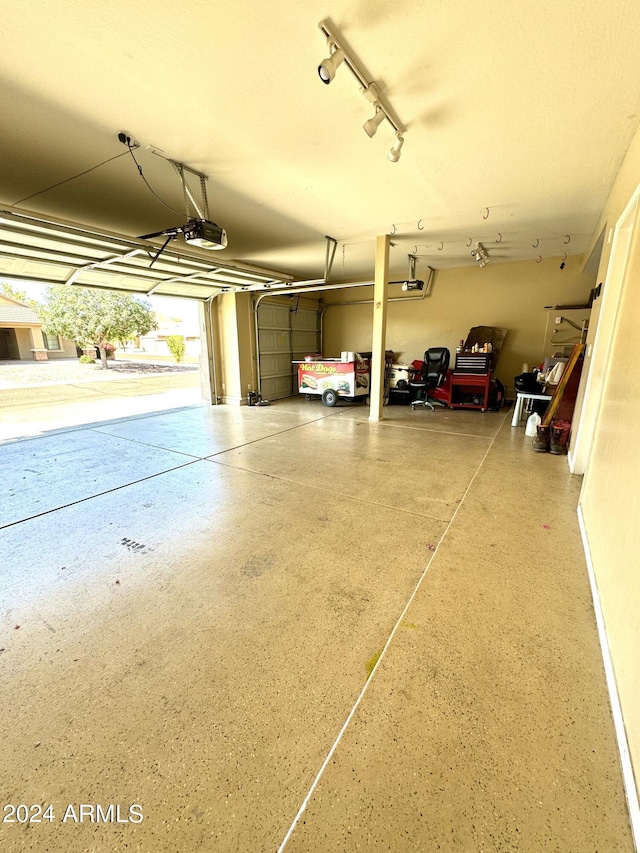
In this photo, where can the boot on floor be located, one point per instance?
(541, 439)
(558, 438)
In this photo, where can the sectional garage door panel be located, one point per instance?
(305, 338)
(304, 319)
(275, 375)
(276, 387)
(35, 248)
(274, 350)
(284, 335)
(275, 364)
(305, 332)
(274, 340)
(304, 343)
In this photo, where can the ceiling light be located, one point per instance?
(396, 148)
(338, 53)
(327, 68)
(374, 123)
(480, 255)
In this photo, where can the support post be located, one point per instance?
(379, 333)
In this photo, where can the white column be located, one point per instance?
(379, 332)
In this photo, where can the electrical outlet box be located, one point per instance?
(558, 320)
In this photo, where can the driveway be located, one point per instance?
(36, 397)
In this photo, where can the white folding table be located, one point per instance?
(519, 405)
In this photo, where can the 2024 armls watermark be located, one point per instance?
(71, 813)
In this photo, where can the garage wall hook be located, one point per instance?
(420, 227)
(536, 244)
(564, 256)
(568, 240)
(539, 261)
(486, 215)
(441, 246)
(469, 241)
(499, 240)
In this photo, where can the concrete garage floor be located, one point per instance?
(193, 602)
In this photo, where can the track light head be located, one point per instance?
(480, 255)
(338, 55)
(374, 123)
(327, 68)
(396, 148)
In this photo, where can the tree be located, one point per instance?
(20, 295)
(177, 346)
(95, 317)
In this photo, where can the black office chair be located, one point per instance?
(432, 375)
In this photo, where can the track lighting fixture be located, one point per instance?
(480, 255)
(327, 70)
(395, 150)
(374, 123)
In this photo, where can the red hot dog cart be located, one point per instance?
(332, 378)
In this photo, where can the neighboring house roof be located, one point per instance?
(12, 312)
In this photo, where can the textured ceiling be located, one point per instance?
(518, 117)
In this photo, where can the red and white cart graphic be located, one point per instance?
(332, 378)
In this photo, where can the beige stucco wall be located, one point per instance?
(246, 343)
(28, 337)
(510, 296)
(68, 350)
(610, 499)
(234, 346)
(25, 342)
(226, 333)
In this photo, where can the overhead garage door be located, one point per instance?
(285, 333)
(35, 248)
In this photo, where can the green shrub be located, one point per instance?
(177, 346)
(86, 359)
